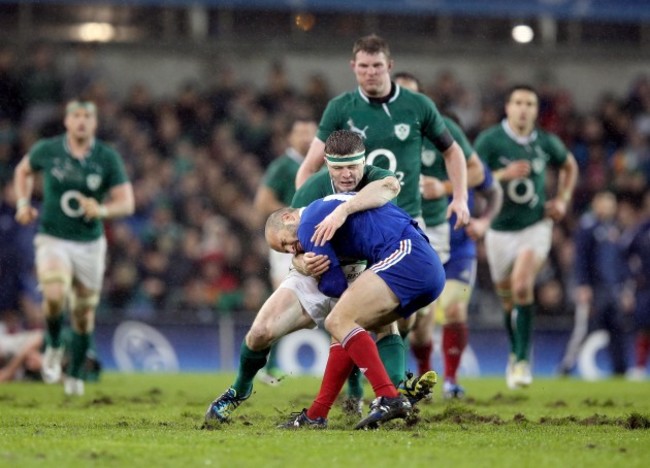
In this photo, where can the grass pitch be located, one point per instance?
(157, 420)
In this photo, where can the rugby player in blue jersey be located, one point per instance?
(405, 274)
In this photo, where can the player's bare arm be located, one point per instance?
(557, 207)
(313, 162)
(121, 203)
(432, 188)
(475, 171)
(373, 195)
(477, 227)
(266, 202)
(514, 170)
(457, 170)
(23, 186)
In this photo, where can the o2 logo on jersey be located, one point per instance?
(70, 203)
(390, 157)
(522, 191)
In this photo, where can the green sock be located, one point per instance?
(391, 352)
(78, 348)
(355, 388)
(53, 335)
(524, 330)
(507, 320)
(272, 362)
(250, 362)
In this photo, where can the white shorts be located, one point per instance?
(86, 260)
(439, 238)
(316, 304)
(280, 265)
(503, 247)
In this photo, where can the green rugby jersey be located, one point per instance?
(280, 177)
(523, 198)
(434, 212)
(393, 134)
(65, 178)
(320, 185)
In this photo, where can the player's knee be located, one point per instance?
(332, 323)
(522, 291)
(259, 337)
(83, 312)
(454, 313)
(55, 286)
(54, 297)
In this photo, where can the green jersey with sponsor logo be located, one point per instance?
(434, 212)
(65, 178)
(392, 131)
(280, 177)
(523, 198)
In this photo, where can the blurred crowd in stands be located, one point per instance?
(194, 248)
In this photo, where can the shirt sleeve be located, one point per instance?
(434, 127)
(118, 172)
(557, 150)
(329, 121)
(36, 156)
(333, 282)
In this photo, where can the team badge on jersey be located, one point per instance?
(93, 181)
(402, 131)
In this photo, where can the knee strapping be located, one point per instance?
(86, 302)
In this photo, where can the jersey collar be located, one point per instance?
(69, 151)
(394, 94)
(295, 155)
(522, 140)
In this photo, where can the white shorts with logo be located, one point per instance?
(439, 238)
(503, 247)
(316, 304)
(86, 260)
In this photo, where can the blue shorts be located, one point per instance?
(413, 271)
(461, 269)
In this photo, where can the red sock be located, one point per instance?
(363, 351)
(338, 367)
(422, 355)
(642, 348)
(454, 340)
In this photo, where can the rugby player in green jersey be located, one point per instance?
(519, 239)
(393, 123)
(275, 192)
(79, 173)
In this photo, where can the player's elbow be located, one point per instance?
(392, 185)
(332, 287)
